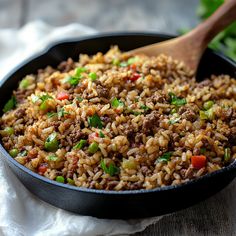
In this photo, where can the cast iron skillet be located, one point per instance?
(112, 204)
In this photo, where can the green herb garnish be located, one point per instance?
(132, 60)
(62, 113)
(51, 144)
(10, 104)
(95, 121)
(80, 99)
(51, 114)
(123, 64)
(93, 76)
(165, 157)
(177, 101)
(116, 103)
(145, 108)
(80, 144)
(52, 158)
(101, 134)
(111, 169)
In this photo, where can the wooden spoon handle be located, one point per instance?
(206, 31)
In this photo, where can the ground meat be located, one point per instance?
(20, 113)
(66, 66)
(188, 113)
(227, 114)
(156, 98)
(102, 91)
(76, 135)
(150, 121)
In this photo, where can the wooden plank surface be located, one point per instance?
(215, 216)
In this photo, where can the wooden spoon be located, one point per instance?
(190, 47)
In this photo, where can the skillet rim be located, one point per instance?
(50, 47)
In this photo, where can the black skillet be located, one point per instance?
(111, 204)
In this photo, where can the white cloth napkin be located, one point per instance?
(21, 213)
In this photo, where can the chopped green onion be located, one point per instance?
(177, 101)
(24, 84)
(123, 64)
(62, 113)
(14, 152)
(207, 115)
(79, 99)
(111, 169)
(72, 80)
(227, 154)
(93, 76)
(145, 108)
(60, 179)
(207, 105)
(51, 114)
(9, 131)
(95, 121)
(115, 62)
(116, 103)
(45, 97)
(132, 60)
(171, 122)
(80, 144)
(79, 70)
(43, 106)
(52, 158)
(173, 111)
(136, 113)
(203, 115)
(10, 104)
(93, 147)
(165, 157)
(70, 181)
(51, 143)
(101, 134)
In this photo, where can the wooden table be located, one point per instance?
(215, 216)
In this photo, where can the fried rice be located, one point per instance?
(118, 121)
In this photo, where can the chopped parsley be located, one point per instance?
(80, 144)
(95, 121)
(111, 169)
(62, 113)
(116, 103)
(101, 134)
(165, 157)
(45, 97)
(11, 103)
(52, 158)
(80, 99)
(145, 108)
(177, 101)
(132, 60)
(51, 114)
(93, 76)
